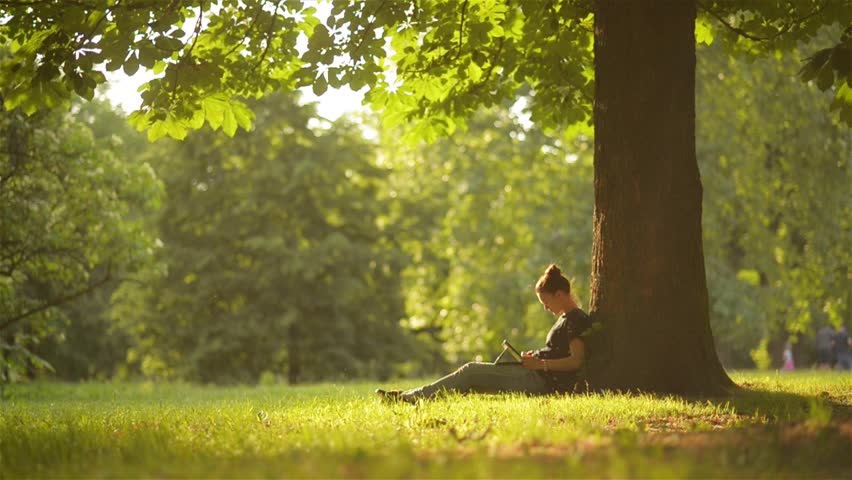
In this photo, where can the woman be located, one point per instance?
(788, 366)
(549, 369)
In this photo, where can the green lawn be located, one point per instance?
(779, 425)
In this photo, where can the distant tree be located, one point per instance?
(449, 57)
(67, 225)
(482, 212)
(273, 257)
(87, 344)
(776, 172)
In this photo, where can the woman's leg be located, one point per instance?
(485, 378)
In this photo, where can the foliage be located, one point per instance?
(443, 60)
(484, 213)
(776, 217)
(775, 264)
(486, 210)
(235, 49)
(760, 355)
(87, 345)
(778, 426)
(767, 28)
(67, 205)
(468, 223)
(272, 259)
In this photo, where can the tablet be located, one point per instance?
(508, 346)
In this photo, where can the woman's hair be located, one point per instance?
(553, 281)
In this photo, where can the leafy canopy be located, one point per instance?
(430, 62)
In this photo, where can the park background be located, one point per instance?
(222, 300)
(320, 249)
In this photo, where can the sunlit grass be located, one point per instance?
(790, 425)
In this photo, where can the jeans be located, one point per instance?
(844, 361)
(485, 378)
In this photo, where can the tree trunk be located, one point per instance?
(648, 282)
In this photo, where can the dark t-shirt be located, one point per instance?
(569, 326)
(841, 343)
(823, 338)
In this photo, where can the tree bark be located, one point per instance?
(648, 282)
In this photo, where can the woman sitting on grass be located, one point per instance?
(546, 370)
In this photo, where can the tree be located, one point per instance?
(776, 175)
(480, 213)
(271, 257)
(449, 57)
(649, 262)
(69, 225)
(86, 344)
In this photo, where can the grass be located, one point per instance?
(779, 425)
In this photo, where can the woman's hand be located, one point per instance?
(530, 361)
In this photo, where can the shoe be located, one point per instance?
(393, 396)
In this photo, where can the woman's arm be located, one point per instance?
(566, 364)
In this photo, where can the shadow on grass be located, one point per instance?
(784, 406)
(786, 433)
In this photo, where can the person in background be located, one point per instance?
(825, 347)
(842, 342)
(788, 366)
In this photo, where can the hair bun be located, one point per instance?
(553, 281)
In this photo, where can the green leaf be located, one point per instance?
(34, 43)
(175, 128)
(157, 131)
(320, 39)
(139, 120)
(751, 277)
(159, 66)
(168, 43)
(243, 115)
(825, 78)
(214, 110)
(97, 77)
(197, 120)
(320, 85)
(131, 66)
(814, 64)
(229, 123)
(703, 31)
(149, 54)
(474, 72)
(95, 18)
(115, 51)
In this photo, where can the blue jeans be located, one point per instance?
(476, 377)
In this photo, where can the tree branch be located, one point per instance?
(743, 33)
(366, 31)
(247, 35)
(461, 29)
(58, 301)
(197, 30)
(268, 37)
